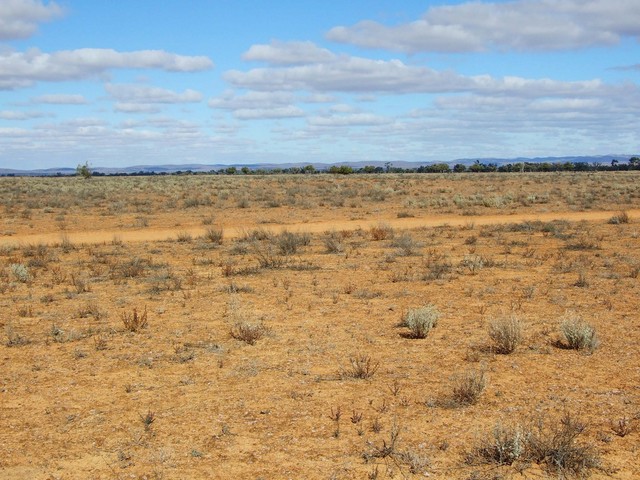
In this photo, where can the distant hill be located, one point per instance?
(199, 168)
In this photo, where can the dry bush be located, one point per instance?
(184, 237)
(213, 235)
(558, 450)
(288, 243)
(266, 254)
(555, 448)
(504, 446)
(360, 366)
(578, 334)
(467, 388)
(134, 321)
(249, 333)
(333, 243)
(506, 334)
(406, 245)
(421, 320)
(622, 217)
(381, 232)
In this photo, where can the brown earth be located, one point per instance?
(186, 397)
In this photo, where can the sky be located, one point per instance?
(154, 82)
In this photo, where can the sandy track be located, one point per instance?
(235, 231)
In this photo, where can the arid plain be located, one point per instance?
(178, 327)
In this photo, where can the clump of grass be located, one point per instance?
(134, 321)
(20, 272)
(467, 388)
(506, 334)
(249, 333)
(381, 232)
(288, 243)
(578, 334)
(421, 320)
(333, 243)
(14, 339)
(406, 245)
(360, 366)
(557, 448)
(622, 217)
(214, 235)
(184, 237)
(504, 446)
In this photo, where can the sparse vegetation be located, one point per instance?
(315, 260)
(248, 333)
(134, 321)
(506, 334)
(467, 388)
(360, 366)
(421, 320)
(578, 334)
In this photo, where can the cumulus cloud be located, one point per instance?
(289, 111)
(345, 120)
(362, 75)
(20, 115)
(60, 99)
(20, 18)
(22, 69)
(524, 25)
(125, 107)
(257, 105)
(132, 93)
(288, 53)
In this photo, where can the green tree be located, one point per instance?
(84, 171)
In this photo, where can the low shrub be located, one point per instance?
(506, 334)
(421, 320)
(467, 388)
(248, 333)
(578, 334)
(134, 321)
(360, 366)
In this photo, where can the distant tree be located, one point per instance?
(231, 170)
(634, 162)
(439, 168)
(245, 170)
(309, 169)
(341, 170)
(84, 171)
(459, 168)
(477, 167)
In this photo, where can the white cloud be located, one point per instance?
(290, 111)
(20, 115)
(125, 107)
(525, 25)
(22, 69)
(20, 18)
(60, 99)
(144, 94)
(258, 105)
(362, 75)
(347, 120)
(288, 53)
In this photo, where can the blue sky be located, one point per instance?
(141, 82)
